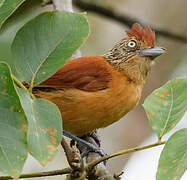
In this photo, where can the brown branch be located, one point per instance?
(90, 165)
(74, 160)
(124, 19)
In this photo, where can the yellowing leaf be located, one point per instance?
(13, 145)
(166, 106)
(44, 127)
(173, 159)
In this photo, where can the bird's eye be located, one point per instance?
(131, 44)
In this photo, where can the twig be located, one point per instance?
(124, 19)
(74, 160)
(73, 155)
(40, 174)
(89, 166)
(94, 163)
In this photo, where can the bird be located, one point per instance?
(93, 92)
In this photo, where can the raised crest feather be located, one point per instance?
(145, 34)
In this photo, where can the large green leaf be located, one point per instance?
(1, 2)
(7, 7)
(166, 106)
(44, 127)
(13, 126)
(43, 44)
(173, 159)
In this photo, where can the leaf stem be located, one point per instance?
(159, 139)
(21, 85)
(94, 163)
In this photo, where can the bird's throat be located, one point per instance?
(136, 70)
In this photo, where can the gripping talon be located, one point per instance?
(89, 147)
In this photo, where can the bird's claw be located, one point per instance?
(95, 150)
(89, 147)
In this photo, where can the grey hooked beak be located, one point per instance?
(152, 52)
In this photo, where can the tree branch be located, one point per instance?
(94, 163)
(63, 5)
(75, 161)
(125, 19)
(89, 166)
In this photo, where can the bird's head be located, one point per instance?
(135, 54)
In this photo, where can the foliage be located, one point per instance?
(7, 7)
(166, 106)
(44, 127)
(173, 159)
(13, 126)
(30, 125)
(48, 38)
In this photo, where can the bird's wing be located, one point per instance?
(88, 73)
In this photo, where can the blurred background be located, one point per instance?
(133, 129)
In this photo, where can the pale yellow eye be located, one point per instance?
(131, 44)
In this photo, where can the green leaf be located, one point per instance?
(42, 45)
(44, 127)
(7, 7)
(166, 106)
(173, 159)
(13, 126)
(1, 2)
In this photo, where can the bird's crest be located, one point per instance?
(146, 34)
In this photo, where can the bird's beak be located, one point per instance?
(152, 52)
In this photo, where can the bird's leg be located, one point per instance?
(89, 146)
(95, 137)
(78, 139)
(90, 154)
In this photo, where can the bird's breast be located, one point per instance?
(83, 112)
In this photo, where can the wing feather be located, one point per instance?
(88, 73)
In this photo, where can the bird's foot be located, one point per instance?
(90, 147)
(96, 149)
(95, 137)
